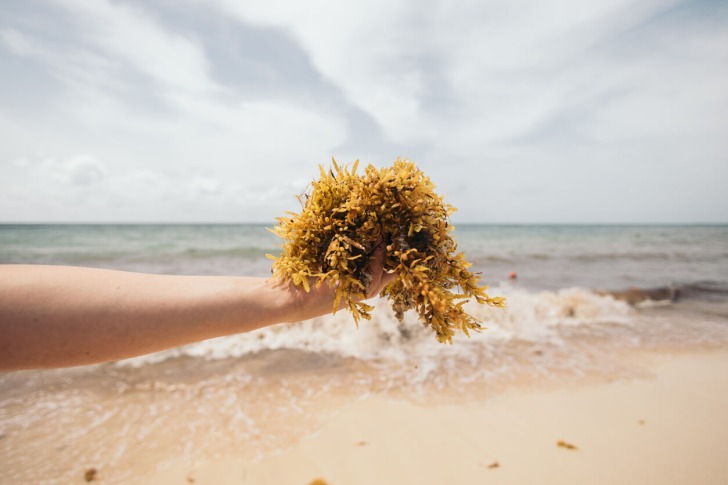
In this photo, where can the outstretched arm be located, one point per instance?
(57, 316)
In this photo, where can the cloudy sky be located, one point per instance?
(221, 110)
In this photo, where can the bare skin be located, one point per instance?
(60, 316)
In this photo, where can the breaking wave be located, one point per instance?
(530, 317)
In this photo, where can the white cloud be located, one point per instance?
(16, 42)
(85, 171)
(205, 186)
(180, 68)
(507, 66)
(153, 156)
(122, 30)
(381, 55)
(80, 170)
(359, 46)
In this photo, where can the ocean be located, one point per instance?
(546, 257)
(585, 300)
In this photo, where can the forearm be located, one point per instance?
(54, 316)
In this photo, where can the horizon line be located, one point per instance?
(260, 223)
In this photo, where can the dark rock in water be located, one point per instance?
(633, 296)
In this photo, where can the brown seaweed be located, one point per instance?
(343, 219)
(565, 444)
(91, 474)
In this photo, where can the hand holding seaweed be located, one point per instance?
(346, 216)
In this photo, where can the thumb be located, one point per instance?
(379, 277)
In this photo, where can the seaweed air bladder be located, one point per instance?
(343, 219)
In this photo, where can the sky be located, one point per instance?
(604, 111)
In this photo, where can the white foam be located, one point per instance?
(532, 317)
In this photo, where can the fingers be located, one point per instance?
(387, 278)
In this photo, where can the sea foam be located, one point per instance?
(530, 317)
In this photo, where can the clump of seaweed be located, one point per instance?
(345, 216)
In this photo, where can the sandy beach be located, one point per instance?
(669, 427)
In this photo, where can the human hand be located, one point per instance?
(303, 305)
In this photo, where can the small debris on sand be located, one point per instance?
(91, 474)
(564, 444)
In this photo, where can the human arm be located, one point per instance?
(58, 316)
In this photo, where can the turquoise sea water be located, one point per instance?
(544, 256)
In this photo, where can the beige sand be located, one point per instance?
(669, 429)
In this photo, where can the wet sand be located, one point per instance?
(667, 427)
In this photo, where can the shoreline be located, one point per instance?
(670, 427)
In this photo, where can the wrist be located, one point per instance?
(295, 304)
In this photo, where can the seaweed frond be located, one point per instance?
(343, 219)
